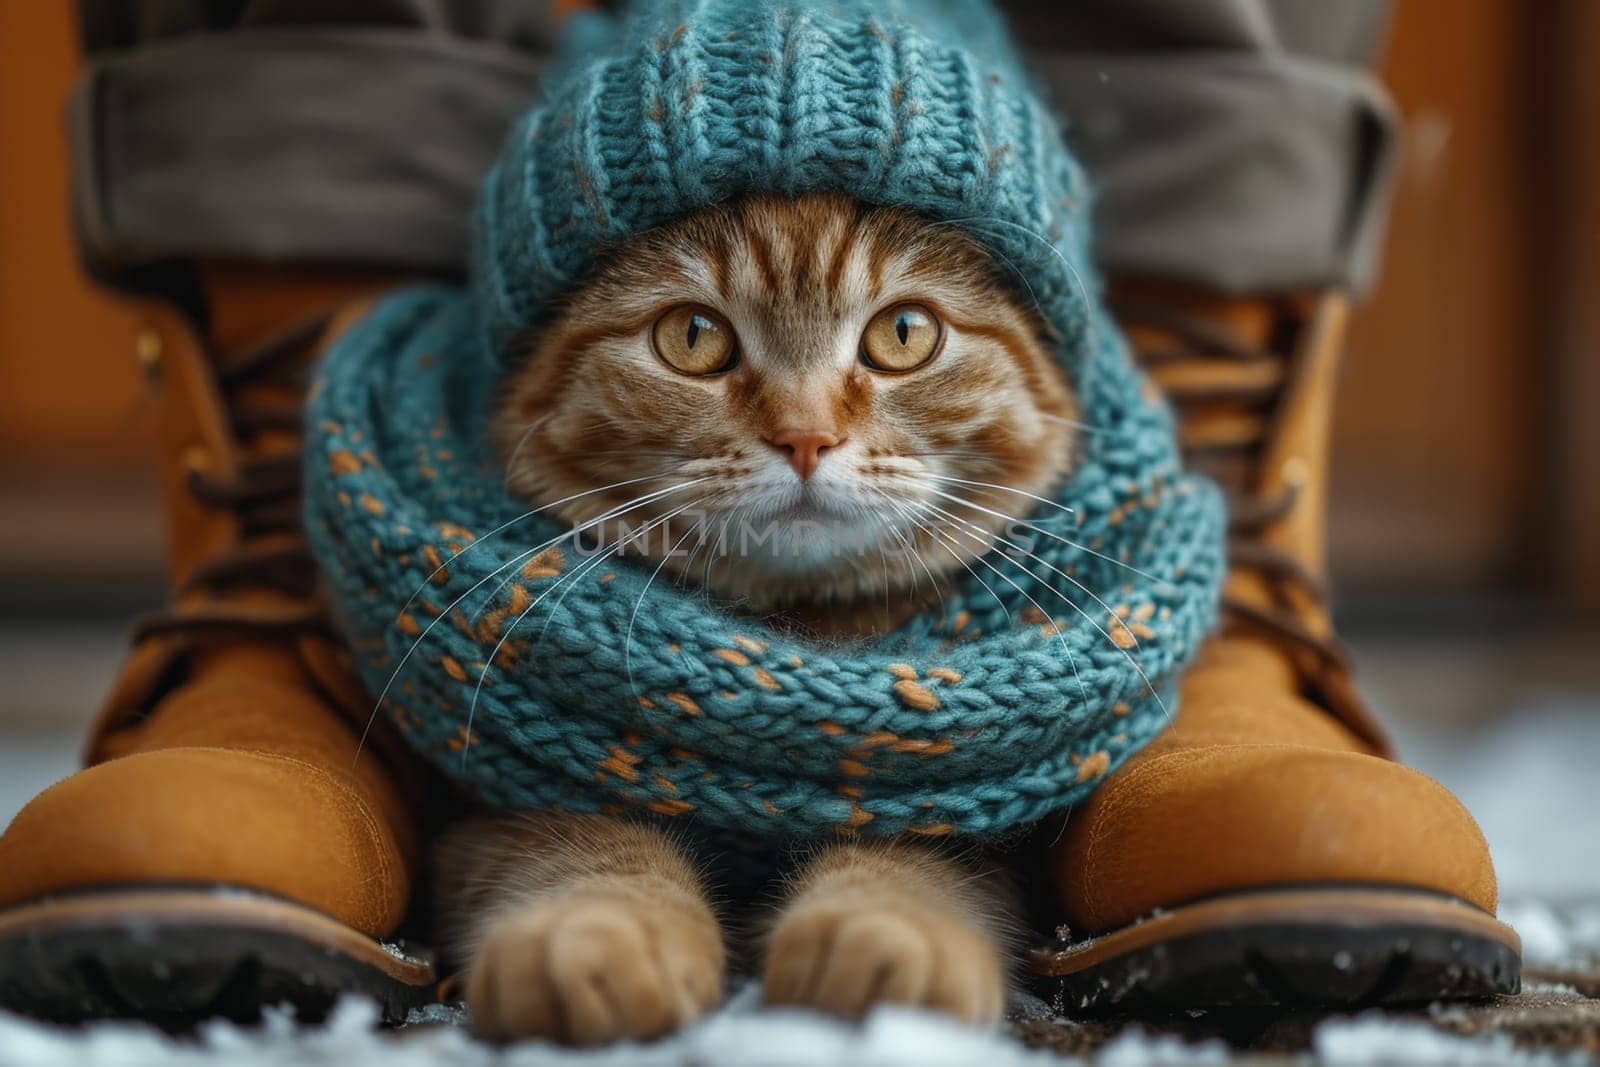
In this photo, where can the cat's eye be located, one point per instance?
(901, 338)
(695, 340)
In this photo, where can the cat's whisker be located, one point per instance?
(602, 518)
(1027, 232)
(516, 560)
(522, 441)
(567, 582)
(1023, 278)
(712, 538)
(911, 516)
(512, 522)
(620, 546)
(711, 558)
(911, 548)
(916, 581)
(1071, 268)
(962, 458)
(1004, 607)
(394, 675)
(883, 566)
(633, 618)
(1132, 660)
(660, 452)
(1019, 547)
(1072, 660)
(667, 468)
(679, 464)
(1005, 489)
(1053, 536)
(681, 577)
(1076, 425)
(472, 708)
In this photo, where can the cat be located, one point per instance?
(770, 365)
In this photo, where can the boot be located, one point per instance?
(232, 842)
(1265, 849)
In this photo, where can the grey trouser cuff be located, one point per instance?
(358, 146)
(1236, 169)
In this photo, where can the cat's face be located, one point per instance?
(826, 384)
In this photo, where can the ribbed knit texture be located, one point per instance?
(1009, 702)
(916, 102)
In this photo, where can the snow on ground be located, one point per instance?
(1529, 779)
(1557, 936)
(1378, 1039)
(735, 1037)
(743, 1034)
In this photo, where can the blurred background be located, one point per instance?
(1466, 497)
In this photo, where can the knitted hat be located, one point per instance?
(686, 103)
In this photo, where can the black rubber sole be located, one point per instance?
(1289, 967)
(176, 966)
(1382, 949)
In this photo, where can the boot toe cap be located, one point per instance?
(257, 820)
(1174, 826)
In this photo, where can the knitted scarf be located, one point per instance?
(544, 678)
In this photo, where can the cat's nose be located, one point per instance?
(803, 448)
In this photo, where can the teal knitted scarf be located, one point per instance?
(543, 679)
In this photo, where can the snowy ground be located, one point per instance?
(1488, 721)
(741, 1036)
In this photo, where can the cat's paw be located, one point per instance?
(845, 956)
(587, 969)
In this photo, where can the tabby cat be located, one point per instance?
(724, 383)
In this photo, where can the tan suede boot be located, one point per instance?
(225, 847)
(1265, 849)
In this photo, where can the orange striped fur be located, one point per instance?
(797, 280)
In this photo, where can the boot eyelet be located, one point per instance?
(147, 351)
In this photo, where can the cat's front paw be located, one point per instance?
(587, 969)
(845, 956)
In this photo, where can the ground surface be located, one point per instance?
(1547, 1024)
(1555, 1020)
(1512, 726)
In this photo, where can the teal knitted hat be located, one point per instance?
(541, 678)
(686, 103)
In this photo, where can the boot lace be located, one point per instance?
(262, 388)
(1228, 395)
